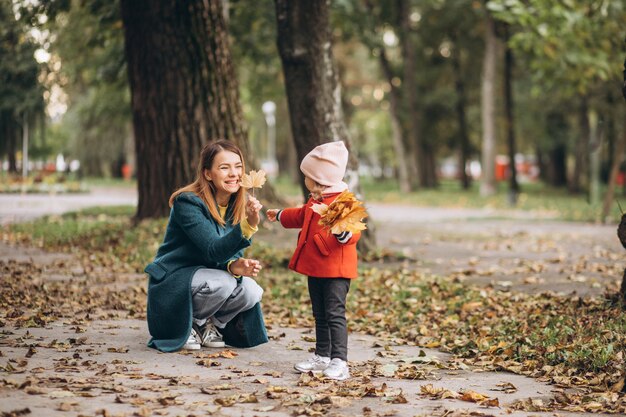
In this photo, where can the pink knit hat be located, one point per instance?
(326, 164)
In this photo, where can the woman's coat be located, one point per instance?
(192, 240)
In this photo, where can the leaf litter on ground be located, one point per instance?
(569, 341)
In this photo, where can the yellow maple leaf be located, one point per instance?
(344, 214)
(319, 208)
(255, 179)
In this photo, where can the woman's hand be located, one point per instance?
(253, 208)
(271, 214)
(245, 267)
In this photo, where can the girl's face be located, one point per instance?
(313, 187)
(225, 173)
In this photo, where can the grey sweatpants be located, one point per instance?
(218, 296)
(328, 300)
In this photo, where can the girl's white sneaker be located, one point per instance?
(315, 364)
(337, 369)
(192, 343)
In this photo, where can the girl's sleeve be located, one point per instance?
(292, 218)
(348, 238)
(202, 232)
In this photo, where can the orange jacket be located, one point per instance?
(318, 253)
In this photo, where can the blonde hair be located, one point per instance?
(205, 189)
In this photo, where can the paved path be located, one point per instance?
(23, 207)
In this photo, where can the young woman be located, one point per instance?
(199, 280)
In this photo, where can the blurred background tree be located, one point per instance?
(413, 92)
(21, 94)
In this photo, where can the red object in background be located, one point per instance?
(127, 171)
(620, 178)
(50, 167)
(501, 170)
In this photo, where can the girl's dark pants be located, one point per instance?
(328, 299)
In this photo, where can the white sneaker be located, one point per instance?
(209, 335)
(315, 364)
(192, 343)
(337, 369)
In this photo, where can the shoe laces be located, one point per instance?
(210, 333)
(193, 337)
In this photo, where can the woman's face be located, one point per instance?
(225, 173)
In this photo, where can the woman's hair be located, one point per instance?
(205, 189)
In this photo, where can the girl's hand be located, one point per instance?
(271, 214)
(253, 208)
(245, 267)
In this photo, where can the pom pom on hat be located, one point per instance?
(326, 164)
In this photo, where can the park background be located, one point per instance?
(503, 266)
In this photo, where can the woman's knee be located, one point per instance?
(223, 289)
(253, 291)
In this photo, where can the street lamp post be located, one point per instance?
(270, 165)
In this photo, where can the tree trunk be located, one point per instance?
(396, 126)
(312, 86)
(554, 171)
(624, 85)
(11, 134)
(620, 147)
(581, 151)
(464, 144)
(595, 146)
(623, 286)
(557, 170)
(184, 92)
(415, 144)
(509, 118)
(431, 167)
(488, 180)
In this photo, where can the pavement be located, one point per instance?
(24, 207)
(105, 368)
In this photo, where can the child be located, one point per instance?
(330, 261)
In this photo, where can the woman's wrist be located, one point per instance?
(247, 230)
(228, 265)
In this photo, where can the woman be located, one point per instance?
(199, 280)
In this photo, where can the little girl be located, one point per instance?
(329, 260)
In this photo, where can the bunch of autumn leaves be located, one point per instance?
(344, 214)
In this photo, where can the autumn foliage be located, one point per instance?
(344, 214)
(255, 179)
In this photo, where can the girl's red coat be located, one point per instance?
(318, 253)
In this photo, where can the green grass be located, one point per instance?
(543, 200)
(109, 182)
(101, 231)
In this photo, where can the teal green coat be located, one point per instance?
(192, 240)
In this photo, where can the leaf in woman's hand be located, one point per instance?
(255, 179)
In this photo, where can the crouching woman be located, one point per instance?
(199, 282)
